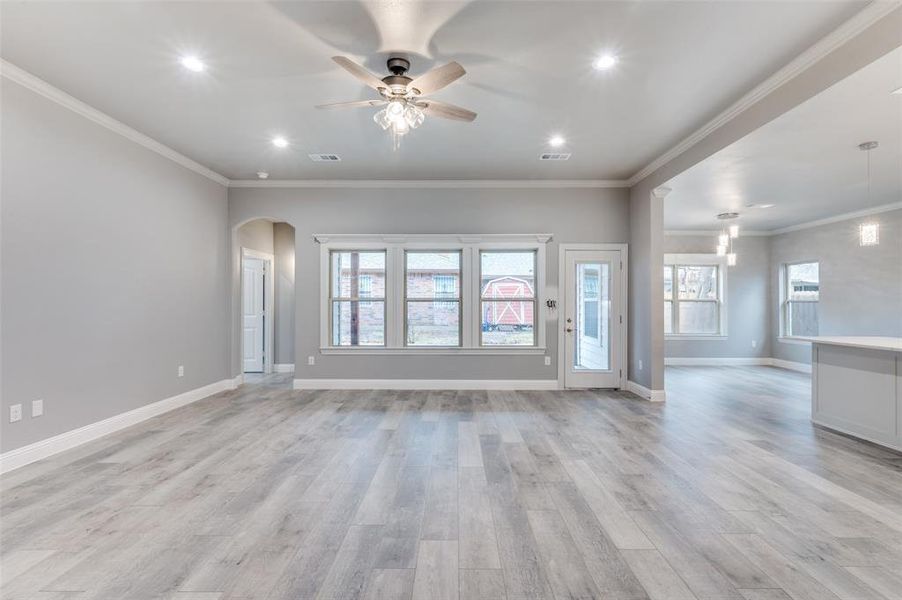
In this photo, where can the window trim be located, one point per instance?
(394, 247)
(693, 260)
(331, 298)
(783, 334)
(459, 299)
(480, 299)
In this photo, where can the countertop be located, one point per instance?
(892, 344)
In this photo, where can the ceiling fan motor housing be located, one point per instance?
(398, 65)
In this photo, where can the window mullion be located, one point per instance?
(468, 312)
(395, 308)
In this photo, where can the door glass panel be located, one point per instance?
(592, 326)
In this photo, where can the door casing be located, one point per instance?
(563, 299)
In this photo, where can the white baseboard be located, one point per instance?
(425, 384)
(644, 392)
(792, 366)
(283, 368)
(45, 448)
(717, 361)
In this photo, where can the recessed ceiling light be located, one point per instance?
(556, 141)
(605, 62)
(899, 91)
(192, 63)
(262, 175)
(280, 142)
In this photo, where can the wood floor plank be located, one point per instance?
(436, 575)
(264, 492)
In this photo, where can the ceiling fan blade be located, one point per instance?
(357, 104)
(437, 78)
(446, 111)
(359, 72)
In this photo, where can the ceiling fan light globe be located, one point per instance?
(382, 119)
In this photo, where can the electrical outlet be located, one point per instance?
(754, 343)
(37, 408)
(547, 361)
(311, 360)
(640, 365)
(181, 371)
(15, 413)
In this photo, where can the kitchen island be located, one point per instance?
(856, 386)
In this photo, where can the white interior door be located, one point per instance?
(253, 313)
(592, 319)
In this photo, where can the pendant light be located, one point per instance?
(726, 236)
(869, 231)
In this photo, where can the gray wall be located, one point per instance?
(114, 271)
(860, 288)
(283, 244)
(646, 322)
(748, 300)
(257, 235)
(572, 215)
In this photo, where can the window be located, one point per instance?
(507, 283)
(589, 295)
(694, 296)
(432, 298)
(366, 285)
(357, 308)
(437, 294)
(801, 293)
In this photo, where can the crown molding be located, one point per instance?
(863, 19)
(42, 88)
(430, 183)
(866, 212)
(714, 232)
(841, 217)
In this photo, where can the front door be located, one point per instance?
(252, 314)
(592, 318)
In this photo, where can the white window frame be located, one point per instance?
(784, 334)
(331, 298)
(395, 247)
(480, 299)
(459, 299)
(695, 260)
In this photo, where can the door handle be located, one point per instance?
(569, 330)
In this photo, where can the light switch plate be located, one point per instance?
(311, 360)
(181, 371)
(547, 361)
(37, 408)
(15, 413)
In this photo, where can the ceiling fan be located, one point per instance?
(403, 97)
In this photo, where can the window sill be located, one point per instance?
(793, 340)
(695, 338)
(450, 351)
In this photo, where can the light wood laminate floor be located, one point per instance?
(726, 491)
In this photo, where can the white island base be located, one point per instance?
(856, 387)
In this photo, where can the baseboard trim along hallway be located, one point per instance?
(426, 384)
(716, 361)
(25, 455)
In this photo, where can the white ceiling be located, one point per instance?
(529, 76)
(806, 161)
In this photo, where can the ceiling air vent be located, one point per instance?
(555, 156)
(324, 157)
